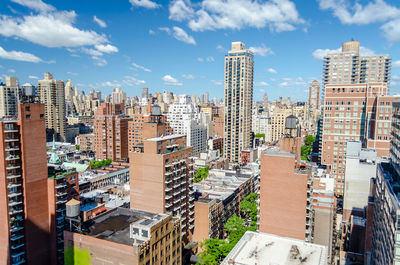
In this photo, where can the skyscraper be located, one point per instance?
(238, 99)
(145, 92)
(24, 233)
(9, 97)
(265, 102)
(313, 96)
(52, 95)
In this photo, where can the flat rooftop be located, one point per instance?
(272, 152)
(114, 225)
(261, 248)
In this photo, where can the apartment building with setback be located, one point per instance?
(238, 100)
(126, 236)
(86, 142)
(24, 214)
(354, 112)
(161, 176)
(111, 132)
(386, 202)
(314, 95)
(220, 195)
(52, 95)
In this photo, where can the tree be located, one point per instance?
(102, 163)
(259, 135)
(310, 139)
(78, 147)
(201, 174)
(248, 207)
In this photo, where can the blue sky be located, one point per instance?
(180, 45)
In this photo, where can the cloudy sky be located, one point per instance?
(180, 45)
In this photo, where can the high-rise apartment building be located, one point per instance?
(285, 190)
(386, 200)
(354, 112)
(52, 95)
(145, 92)
(184, 118)
(238, 97)
(24, 215)
(161, 176)
(111, 132)
(313, 95)
(349, 67)
(118, 96)
(277, 123)
(9, 95)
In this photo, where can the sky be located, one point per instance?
(180, 45)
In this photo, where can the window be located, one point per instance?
(28, 108)
(28, 117)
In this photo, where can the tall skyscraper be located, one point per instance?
(313, 96)
(118, 96)
(111, 132)
(25, 229)
(265, 102)
(9, 97)
(52, 95)
(349, 67)
(238, 99)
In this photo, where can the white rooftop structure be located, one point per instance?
(267, 249)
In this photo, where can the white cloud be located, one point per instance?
(141, 67)
(151, 32)
(272, 71)
(181, 35)
(284, 84)
(391, 30)
(262, 83)
(261, 50)
(19, 56)
(99, 61)
(180, 10)
(33, 77)
(165, 29)
(200, 59)
(169, 80)
(210, 59)
(50, 30)
(144, 3)
(12, 71)
(72, 73)
(99, 22)
(396, 64)
(319, 54)
(374, 11)
(92, 52)
(36, 5)
(108, 48)
(189, 76)
(109, 84)
(221, 48)
(131, 81)
(217, 82)
(236, 14)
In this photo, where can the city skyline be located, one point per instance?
(100, 46)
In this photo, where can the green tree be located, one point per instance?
(259, 135)
(102, 163)
(78, 147)
(310, 139)
(248, 207)
(201, 174)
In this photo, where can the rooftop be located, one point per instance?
(261, 248)
(114, 225)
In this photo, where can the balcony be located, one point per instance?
(16, 237)
(12, 148)
(61, 202)
(60, 194)
(13, 166)
(21, 261)
(14, 247)
(12, 157)
(13, 176)
(14, 203)
(59, 186)
(13, 185)
(11, 139)
(16, 228)
(13, 194)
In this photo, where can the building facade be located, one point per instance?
(238, 98)
(24, 235)
(161, 176)
(314, 95)
(9, 94)
(52, 95)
